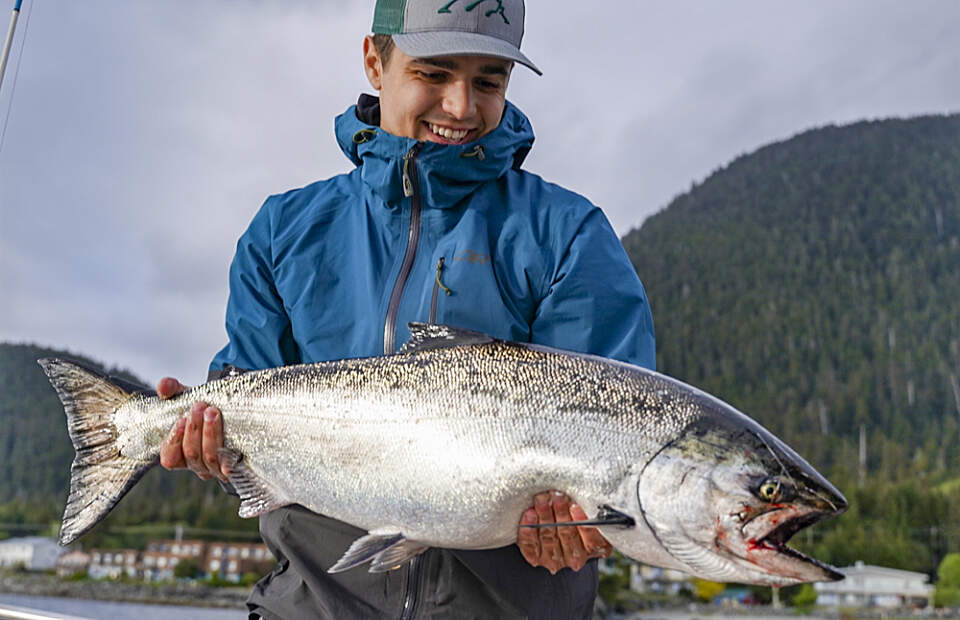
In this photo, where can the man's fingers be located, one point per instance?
(528, 538)
(551, 555)
(595, 545)
(555, 548)
(574, 554)
(171, 450)
(212, 441)
(193, 441)
(168, 386)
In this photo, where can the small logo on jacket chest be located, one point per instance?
(473, 258)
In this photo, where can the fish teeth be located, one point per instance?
(449, 134)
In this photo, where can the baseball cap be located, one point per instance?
(453, 27)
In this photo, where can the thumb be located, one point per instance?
(169, 387)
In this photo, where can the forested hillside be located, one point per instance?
(815, 285)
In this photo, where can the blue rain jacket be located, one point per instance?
(524, 260)
(458, 235)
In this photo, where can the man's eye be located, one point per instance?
(430, 76)
(488, 85)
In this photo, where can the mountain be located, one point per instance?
(815, 285)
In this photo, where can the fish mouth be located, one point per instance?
(770, 552)
(776, 541)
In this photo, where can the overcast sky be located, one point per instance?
(143, 135)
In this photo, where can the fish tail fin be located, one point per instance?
(100, 476)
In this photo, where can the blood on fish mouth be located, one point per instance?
(784, 531)
(776, 541)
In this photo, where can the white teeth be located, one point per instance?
(450, 134)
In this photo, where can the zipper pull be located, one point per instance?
(407, 183)
(439, 271)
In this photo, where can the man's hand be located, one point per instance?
(557, 547)
(195, 440)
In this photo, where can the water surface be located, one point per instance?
(113, 610)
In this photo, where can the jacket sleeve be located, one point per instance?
(595, 303)
(258, 328)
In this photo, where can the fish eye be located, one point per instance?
(769, 490)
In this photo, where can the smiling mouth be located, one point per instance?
(446, 135)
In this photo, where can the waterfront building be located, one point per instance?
(112, 563)
(159, 565)
(653, 579)
(649, 579)
(193, 549)
(227, 560)
(232, 560)
(876, 586)
(162, 556)
(30, 552)
(73, 562)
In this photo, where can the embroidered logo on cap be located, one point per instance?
(495, 11)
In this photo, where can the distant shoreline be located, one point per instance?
(179, 593)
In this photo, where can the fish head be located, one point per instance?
(724, 497)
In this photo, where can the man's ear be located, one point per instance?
(371, 63)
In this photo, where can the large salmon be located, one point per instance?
(445, 444)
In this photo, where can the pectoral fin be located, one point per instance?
(607, 516)
(386, 549)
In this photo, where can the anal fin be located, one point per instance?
(387, 549)
(256, 494)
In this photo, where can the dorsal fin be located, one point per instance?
(429, 336)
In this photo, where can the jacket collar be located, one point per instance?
(446, 174)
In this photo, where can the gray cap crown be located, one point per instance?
(454, 27)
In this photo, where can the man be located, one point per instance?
(436, 223)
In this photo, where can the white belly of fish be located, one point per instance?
(443, 480)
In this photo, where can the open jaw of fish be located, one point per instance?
(672, 476)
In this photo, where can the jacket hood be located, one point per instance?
(446, 173)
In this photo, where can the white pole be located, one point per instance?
(9, 41)
(22, 613)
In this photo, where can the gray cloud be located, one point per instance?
(144, 136)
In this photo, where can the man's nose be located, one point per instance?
(458, 100)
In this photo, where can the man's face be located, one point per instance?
(447, 99)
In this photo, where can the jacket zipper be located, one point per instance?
(437, 285)
(413, 585)
(410, 182)
(413, 239)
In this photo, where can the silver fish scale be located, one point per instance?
(448, 445)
